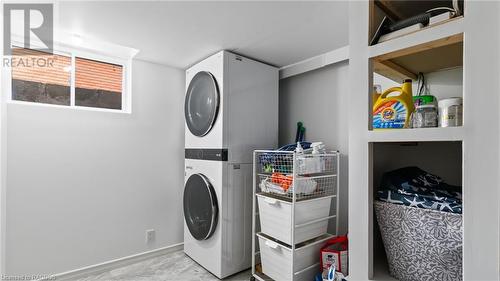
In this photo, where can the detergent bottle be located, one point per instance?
(377, 92)
(394, 111)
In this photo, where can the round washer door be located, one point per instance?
(200, 207)
(202, 103)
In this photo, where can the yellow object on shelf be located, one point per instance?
(394, 112)
(377, 92)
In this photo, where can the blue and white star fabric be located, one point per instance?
(414, 187)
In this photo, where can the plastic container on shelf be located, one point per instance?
(311, 218)
(394, 111)
(425, 116)
(450, 112)
(277, 259)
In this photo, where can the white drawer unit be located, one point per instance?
(293, 213)
(277, 259)
(311, 218)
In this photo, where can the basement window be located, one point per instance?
(41, 77)
(98, 84)
(67, 79)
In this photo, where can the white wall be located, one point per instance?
(83, 186)
(441, 84)
(319, 99)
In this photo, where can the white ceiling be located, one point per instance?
(181, 33)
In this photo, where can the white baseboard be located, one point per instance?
(112, 264)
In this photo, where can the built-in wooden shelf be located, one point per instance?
(417, 135)
(428, 50)
(398, 10)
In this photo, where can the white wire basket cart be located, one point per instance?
(295, 207)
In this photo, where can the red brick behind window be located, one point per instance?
(92, 74)
(49, 70)
(89, 74)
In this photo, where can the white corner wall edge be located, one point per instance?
(332, 57)
(113, 264)
(3, 159)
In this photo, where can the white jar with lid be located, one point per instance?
(450, 112)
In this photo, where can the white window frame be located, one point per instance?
(73, 52)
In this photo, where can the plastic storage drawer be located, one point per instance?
(311, 218)
(277, 260)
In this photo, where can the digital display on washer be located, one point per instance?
(215, 154)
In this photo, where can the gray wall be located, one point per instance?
(83, 186)
(319, 99)
(391, 156)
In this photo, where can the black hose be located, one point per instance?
(421, 18)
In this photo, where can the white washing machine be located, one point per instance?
(217, 212)
(231, 109)
(231, 105)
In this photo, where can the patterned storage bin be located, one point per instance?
(421, 244)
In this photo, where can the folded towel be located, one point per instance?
(415, 187)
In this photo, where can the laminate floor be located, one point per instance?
(175, 266)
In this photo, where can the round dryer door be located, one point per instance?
(200, 207)
(202, 103)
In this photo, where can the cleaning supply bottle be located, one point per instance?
(394, 111)
(301, 160)
(299, 148)
(331, 273)
(318, 163)
(317, 147)
(377, 92)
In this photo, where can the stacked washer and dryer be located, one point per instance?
(231, 109)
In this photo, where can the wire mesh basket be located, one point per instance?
(295, 204)
(288, 175)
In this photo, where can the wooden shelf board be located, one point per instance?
(444, 33)
(444, 57)
(417, 135)
(393, 71)
(428, 50)
(445, 41)
(426, 61)
(431, 56)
